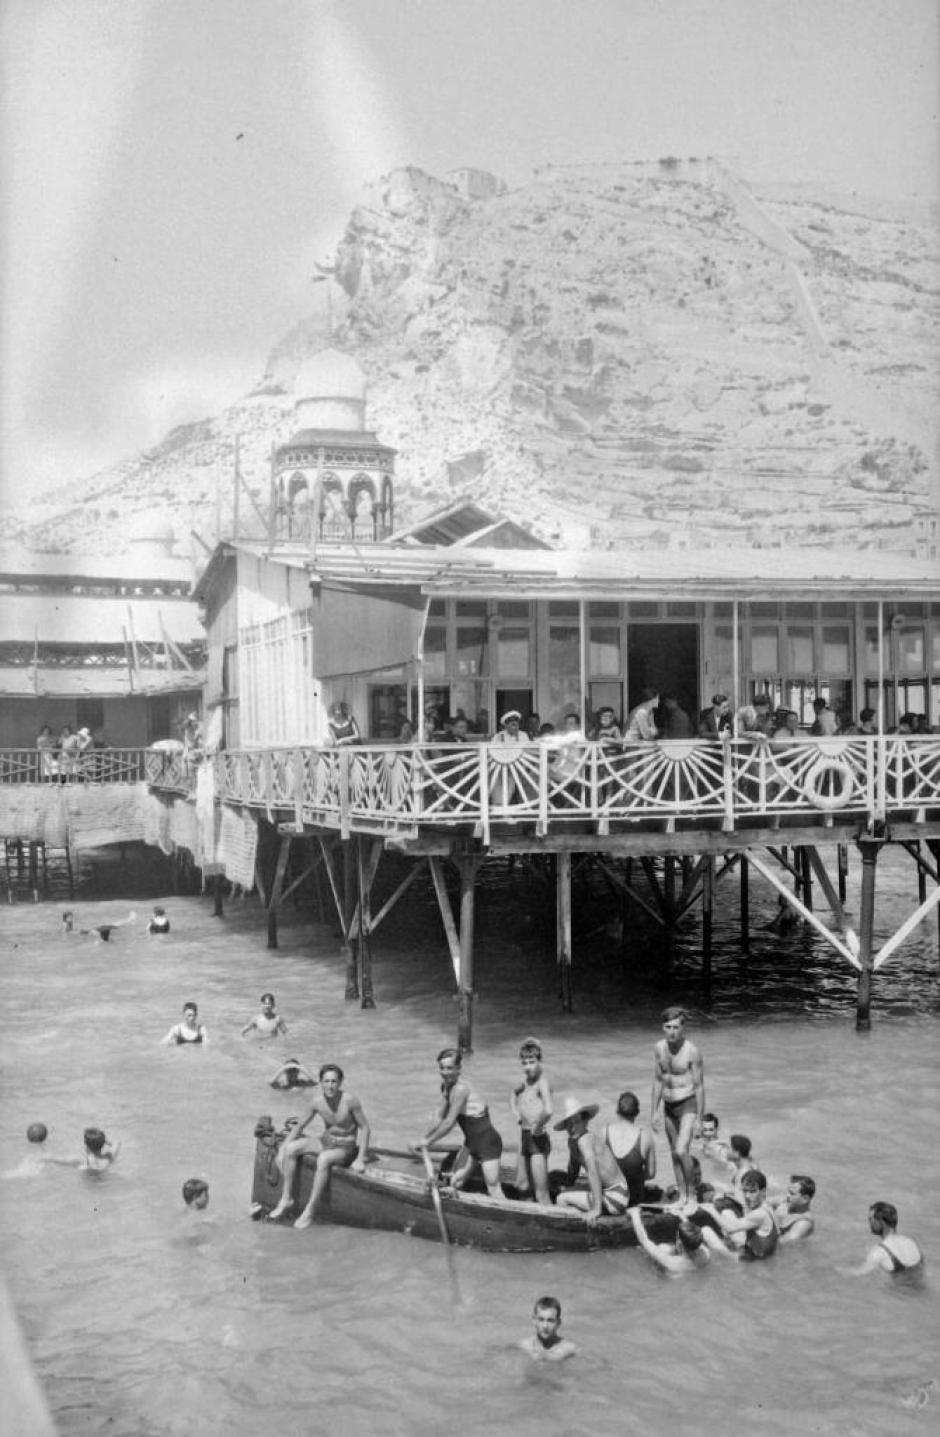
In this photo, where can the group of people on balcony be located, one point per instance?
(62, 757)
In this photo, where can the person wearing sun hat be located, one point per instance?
(607, 1193)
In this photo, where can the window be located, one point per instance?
(471, 647)
(435, 652)
(564, 668)
(765, 656)
(836, 649)
(799, 650)
(512, 653)
(604, 652)
(911, 652)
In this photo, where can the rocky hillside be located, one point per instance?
(645, 354)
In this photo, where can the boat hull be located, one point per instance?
(394, 1196)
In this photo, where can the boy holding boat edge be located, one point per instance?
(531, 1104)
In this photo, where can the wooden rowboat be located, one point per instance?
(393, 1195)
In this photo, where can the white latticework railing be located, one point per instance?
(554, 784)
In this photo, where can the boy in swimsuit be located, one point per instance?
(462, 1107)
(892, 1253)
(102, 931)
(189, 1031)
(678, 1096)
(547, 1345)
(531, 1104)
(267, 1023)
(344, 1141)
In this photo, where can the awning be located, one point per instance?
(365, 628)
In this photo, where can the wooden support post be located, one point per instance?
(807, 872)
(364, 939)
(843, 863)
(934, 847)
(274, 897)
(669, 897)
(467, 868)
(745, 906)
(349, 908)
(921, 878)
(217, 881)
(563, 926)
(869, 849)
(708, 898)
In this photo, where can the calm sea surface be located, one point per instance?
(145, 1319)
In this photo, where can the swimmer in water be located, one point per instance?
(98, 1156)
(189, 1031)
(196, 1194)
(267, 1023)
(293, 1074)
(101, 931)
(158, 923)
(686, 1253)
(893, 1252)
(547, 1345)
(791, 1212)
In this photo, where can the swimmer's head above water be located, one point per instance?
(37, 1132)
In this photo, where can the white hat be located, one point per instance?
(511, 714)
(574, 1109)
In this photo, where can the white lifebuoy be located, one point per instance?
(841, 782)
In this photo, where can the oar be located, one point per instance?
(442, 1225)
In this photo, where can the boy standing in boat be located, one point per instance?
(678, 1095)
(462, 1106)
(531, 1104)
(344, 1141)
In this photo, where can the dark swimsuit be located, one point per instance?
(482, 1140)
(896, 1264)
(180, 1039)
(757, 1247)
(674, 1111)
(633, 1167)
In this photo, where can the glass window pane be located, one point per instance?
(836, 649)
(871, 652)
(435, 652)
(638, 610)
(800, 651)
(762, 610)
(511, 609)
(471, 608)
(911, 651)
(680, 610)
(471, 646)
(564, 672)
(563, 609)
(800, 611)
(764, 651)
(438, 608)
(604, 610)
(935, 646)
(605, 651)
(512, 653)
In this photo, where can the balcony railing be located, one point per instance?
(552, 786)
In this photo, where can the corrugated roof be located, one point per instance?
(87, 619)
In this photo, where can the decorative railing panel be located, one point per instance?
(548, 785)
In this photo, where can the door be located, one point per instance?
(664, 657)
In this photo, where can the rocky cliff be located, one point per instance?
(644, 354)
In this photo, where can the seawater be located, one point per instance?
(144, 1319)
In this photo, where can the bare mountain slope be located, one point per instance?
(636, 354)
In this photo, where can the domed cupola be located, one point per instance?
(332, 479)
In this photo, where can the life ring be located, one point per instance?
(838, 779)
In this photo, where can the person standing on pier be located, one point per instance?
(678, 1096)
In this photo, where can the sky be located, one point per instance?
(173, 170)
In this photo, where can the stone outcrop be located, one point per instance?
(649, 354)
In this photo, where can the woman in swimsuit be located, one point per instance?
(462, 1107)
(631, 1146)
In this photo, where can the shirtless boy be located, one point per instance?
(678, 1094)
(267, 1023)
(98, 1156)
(791, 1213)
(547, 1345)
(686, 1253)
(531, 1104)
(344, 1142)
(753, 1236)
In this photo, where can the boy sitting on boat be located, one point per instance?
(344, 1141)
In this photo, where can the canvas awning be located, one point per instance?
(365, 628)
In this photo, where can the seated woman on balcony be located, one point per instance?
(343, 728)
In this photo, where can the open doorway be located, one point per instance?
(509, 699)
(664, 657)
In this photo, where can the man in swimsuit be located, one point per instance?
(791, 1212)
(462, 1107)
(189, 1031)
(547, 1345)
(267, 1023)
(893, 1252)
(679, 1091)
(607, 1193)
(344, 1141)
(753, 1236)
(531, 1104)
(685, 1253)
